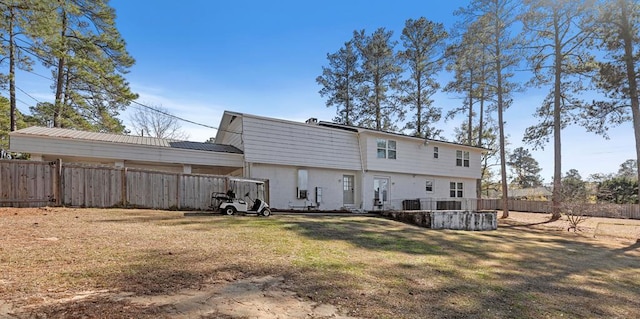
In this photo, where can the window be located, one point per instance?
(455, 189)
(303, 178)
(435, 152)
(386, 148)
(380, 189)
(429, 186)
(462, 158)
(382, 148)
(391, 150)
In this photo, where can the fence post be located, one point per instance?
(178, 179)
(57, 183)
(124, 187)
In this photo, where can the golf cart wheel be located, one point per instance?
(266, 212)
(230, 210)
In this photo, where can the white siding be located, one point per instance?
(272, 141)
(283, 183)
(230, 130)
(410, 186)
(414, 157)
(114, 151)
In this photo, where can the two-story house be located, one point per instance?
(317, 165)
(332, 167)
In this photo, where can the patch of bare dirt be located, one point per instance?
(265, 297)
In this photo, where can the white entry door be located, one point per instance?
(348, 187)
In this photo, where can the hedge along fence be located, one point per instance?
(36, 184)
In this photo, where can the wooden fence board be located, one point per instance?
(90, 186)
(33, 183)
(196, 190)
(26, 183)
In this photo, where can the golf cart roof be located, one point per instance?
(246, 180)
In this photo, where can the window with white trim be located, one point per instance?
(429, 186)
(462, 158)
(435, 152)
(303, 178)
(386, 148)
(456, 189)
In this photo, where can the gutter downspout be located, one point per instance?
(362, 172)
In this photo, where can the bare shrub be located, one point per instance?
(576, 213)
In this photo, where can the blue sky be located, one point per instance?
(198, 58)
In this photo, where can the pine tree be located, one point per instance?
(423, 42)
(381, 70)
(24, 23)
(340, 81)
(559, 57)
(617, 26)
(472, 70)
(525, 168)
(88, 60)
(5, 122)
(496, 17)
(629, 169)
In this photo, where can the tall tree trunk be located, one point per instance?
(419, 107)
(378, 104)
(12, 71)
(626, 33)
(347, 106)
(480, 133)
(557, 112)
(503, 157)
(481, 118)
(470, 119)
(58, 106)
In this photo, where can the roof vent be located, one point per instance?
(312, 120)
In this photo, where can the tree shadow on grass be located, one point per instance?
(505, 223)
(404, 272)
(369, 233)
(533, 272)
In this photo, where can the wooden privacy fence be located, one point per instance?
(27, 183)
(36, 184)
(631, 211)
(517, 205)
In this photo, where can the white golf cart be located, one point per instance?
(228, 204)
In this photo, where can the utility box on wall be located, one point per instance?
(318, 195)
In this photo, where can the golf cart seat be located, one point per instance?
(256, 204)
(222, 197)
